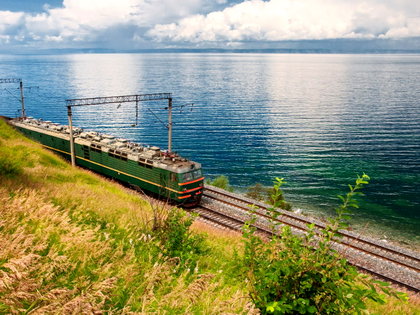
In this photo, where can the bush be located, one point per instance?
(273, 196)
(175, 239)
(290, 274)
(276, 197)
(9, 165)
(221, 182)
(257, 192)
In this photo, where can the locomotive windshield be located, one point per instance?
(190, 175)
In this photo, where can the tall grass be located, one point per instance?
(71, 261)
(72, 242)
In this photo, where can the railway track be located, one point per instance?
(391, 263)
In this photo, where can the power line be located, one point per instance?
(118, 100)
(10, 80)
(22, 98)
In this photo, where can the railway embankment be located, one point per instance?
(74, 242)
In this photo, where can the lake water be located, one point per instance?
(316, 120)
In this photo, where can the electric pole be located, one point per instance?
(72, 155)
(169, 124)
(22, 97)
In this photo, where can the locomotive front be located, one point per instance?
(190, 185)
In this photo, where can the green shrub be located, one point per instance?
(9, 165)
(5, 130)
(276, 198)
(172, 230)
(273, 196)
(290, 274)
(257, 192)
(221, 182)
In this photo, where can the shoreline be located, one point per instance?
(380, 232)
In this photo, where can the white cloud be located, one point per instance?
(9, 20)
(277, 20)
(196, 21)
(79, 20)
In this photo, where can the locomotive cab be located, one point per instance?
(191, 185)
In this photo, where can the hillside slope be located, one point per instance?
(73, 242)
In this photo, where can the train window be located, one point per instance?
(187, 177)
(197, 174)
(173, 177)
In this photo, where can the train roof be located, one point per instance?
(150, 155)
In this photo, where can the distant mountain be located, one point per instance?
(330, 46)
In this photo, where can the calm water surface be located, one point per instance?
(316, 120)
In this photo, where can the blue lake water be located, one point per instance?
(316, 120)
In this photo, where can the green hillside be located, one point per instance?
(73, 242)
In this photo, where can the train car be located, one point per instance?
(144, 167)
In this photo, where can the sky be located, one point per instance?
(30, 25)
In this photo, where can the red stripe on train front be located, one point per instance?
(183, 197)
(190, 190)
(193, 181)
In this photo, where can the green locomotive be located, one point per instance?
(146, 168)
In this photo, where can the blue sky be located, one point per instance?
(28, 5)
(28, 25)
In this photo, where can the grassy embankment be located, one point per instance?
(73, 242)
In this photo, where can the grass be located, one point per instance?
(73, 242)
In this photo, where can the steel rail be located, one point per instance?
(236, 223)
(343, 233)
(338, 241)
(386, 278)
